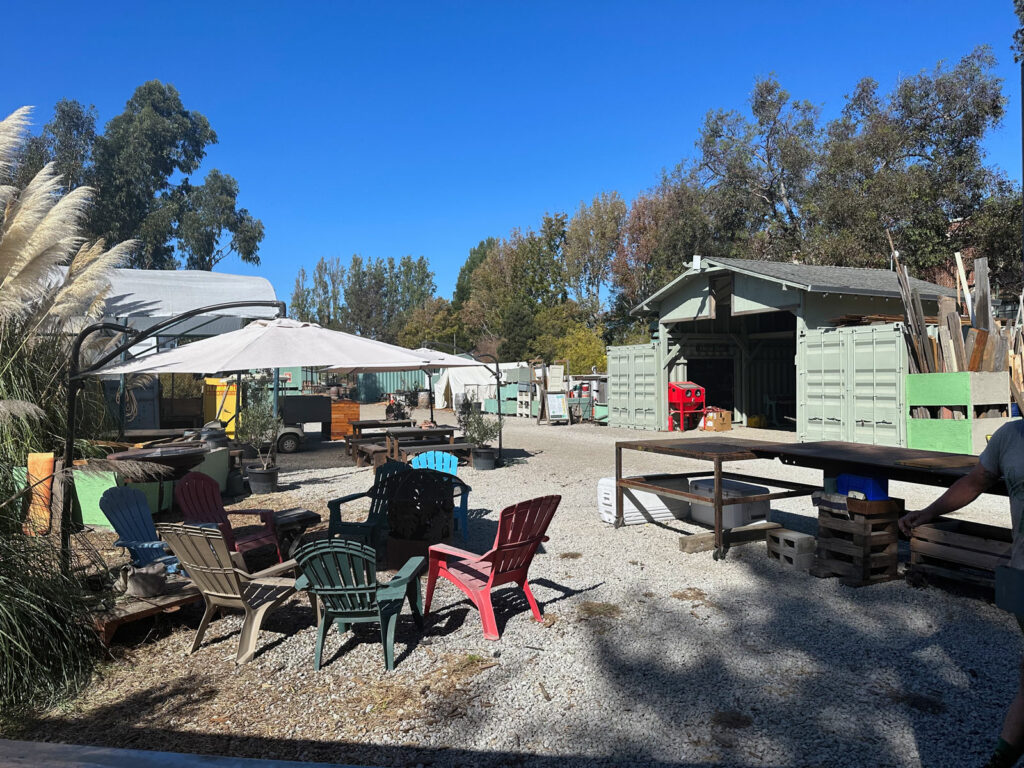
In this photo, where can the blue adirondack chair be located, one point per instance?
(441, 461)
(128, 512)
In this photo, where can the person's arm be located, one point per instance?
(958, 495)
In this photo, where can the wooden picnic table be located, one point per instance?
(396, 436)
(360, 425)
(832, 457)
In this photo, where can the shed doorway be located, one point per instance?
(716, 375)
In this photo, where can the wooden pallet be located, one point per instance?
(960, 551)
(859, 548)
(129, 609)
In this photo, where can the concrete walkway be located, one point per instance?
(22, 754)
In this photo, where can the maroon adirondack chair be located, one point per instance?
(521, 530)
(198, 497)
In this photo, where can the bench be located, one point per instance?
(376, 453)
(352, 443)
(407, 452)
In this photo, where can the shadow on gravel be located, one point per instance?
(826, 681)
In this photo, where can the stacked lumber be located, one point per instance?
(987, 345)
(880, 318)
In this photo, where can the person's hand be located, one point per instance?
(913, 519)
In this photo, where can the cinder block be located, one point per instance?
(791, 542)
(800, 562)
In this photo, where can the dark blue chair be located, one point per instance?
(129, 514)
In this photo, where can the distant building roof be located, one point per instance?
(808, 277)
(147, 296)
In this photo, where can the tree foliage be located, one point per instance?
(141, 168)
(370, 297)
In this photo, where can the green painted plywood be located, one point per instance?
(947, 435)
(939, 389)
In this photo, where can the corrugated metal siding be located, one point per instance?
(371, 387)
(850, 384)
(633, 386)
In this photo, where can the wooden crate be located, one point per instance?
(343, 412)
(961, 551)
(859, 545)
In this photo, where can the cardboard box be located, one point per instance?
(718, 421)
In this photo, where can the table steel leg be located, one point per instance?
(618, 488)
(720, 548)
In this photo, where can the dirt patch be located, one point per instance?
(591, 609)
(571, 555)
(397, 700)
(693, 595)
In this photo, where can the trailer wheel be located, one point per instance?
(288, 443)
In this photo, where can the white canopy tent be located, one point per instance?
(478, 381)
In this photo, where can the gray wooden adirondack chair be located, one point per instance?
(343, 575)
(204, 554)
(373, 530)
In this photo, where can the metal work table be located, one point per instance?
(718, 451)
(906, 465)
(832, 457)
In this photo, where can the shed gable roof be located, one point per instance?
(812, 278)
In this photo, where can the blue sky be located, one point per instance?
(393, 128)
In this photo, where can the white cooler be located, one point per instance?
(643, 506)
(733, 515)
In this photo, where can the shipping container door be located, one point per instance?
(644, 390)
(618, 387)
(876, 385)
(822, 373)
(633, 387)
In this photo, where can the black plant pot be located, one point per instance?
(484, 458)
(262, 480)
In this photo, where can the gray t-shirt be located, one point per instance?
(1004, 456)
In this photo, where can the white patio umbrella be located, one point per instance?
(280, 343)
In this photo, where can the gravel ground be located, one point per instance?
(646, 656)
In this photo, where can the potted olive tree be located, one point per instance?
(258, 427)
(479, 430)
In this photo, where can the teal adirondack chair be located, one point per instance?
(440, 461)
(129, 514)
(373, 530)
(343, 575)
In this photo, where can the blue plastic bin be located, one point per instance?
(873, 487)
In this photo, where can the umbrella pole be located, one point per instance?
(277, 385)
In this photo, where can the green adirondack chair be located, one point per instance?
(373, 530)
(343, 575)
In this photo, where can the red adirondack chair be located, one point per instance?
(198, 497)
(521, 530)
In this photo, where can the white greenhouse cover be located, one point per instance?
(280, 343)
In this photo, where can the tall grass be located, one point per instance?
(52, 282)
